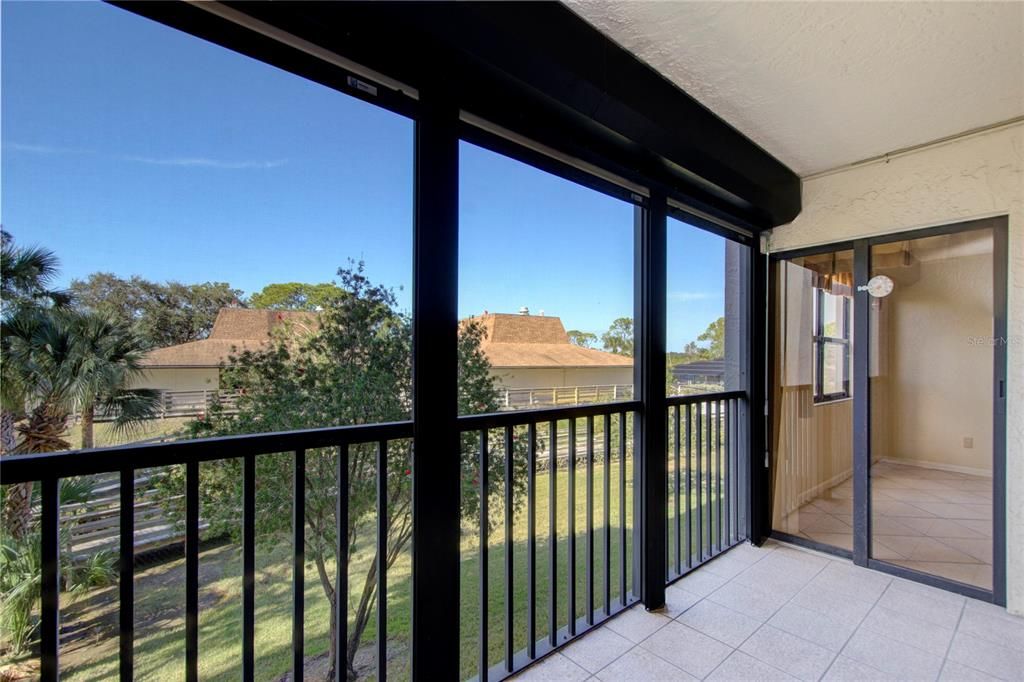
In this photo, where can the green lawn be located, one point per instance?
(90, 651)
(105, 435)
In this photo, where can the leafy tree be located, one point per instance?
(714, 338)
(296, 296)
(619, 337)
(583, 339)
(163, 314)
(354, 369)
(713, 348)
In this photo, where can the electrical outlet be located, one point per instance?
(968, 442)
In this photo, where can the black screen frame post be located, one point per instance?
(651, 225)
(436, 470)
(759, 479)
(861, 406)
(1000, 281)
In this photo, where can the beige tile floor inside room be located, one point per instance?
(780, 613)
(938, 522)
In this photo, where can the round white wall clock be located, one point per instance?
(880, 286)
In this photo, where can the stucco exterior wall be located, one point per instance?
(535, 377)
(180, 379)
(972, 177)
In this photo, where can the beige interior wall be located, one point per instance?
(181, 379)
(939, 381)
(812, 444)
(971, 177)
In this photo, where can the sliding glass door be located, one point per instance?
(931, 334)
(888, 403)
(813, 415)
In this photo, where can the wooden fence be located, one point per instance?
(525, 398)
(93, 525)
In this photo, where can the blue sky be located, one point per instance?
(132, 148)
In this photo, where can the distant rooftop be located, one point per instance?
(525, 340)
(698, 370)
(234, 330)
(512, 341)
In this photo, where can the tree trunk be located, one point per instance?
(42, 433)
(7, 438)
(362, 619)
(332, 599)
(17, 511)
(88, 418)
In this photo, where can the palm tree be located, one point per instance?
(57, 361)
(109, 358)
(25, 274)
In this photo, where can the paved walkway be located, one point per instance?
(782, 613)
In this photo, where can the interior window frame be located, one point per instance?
(821, 340)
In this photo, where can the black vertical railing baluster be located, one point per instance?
(248, 568)
(590, 521)
(483, 480)
(713, 468)
(192, 571)
(552, 533)
(341, 566)
(688, 452)
(727, 471)
(509, 599)
(298, 563)
(723, 441)
(382, 560)
(607, 481)
(49, 616)
(735, 475)
(622, 509)
(718, 471)
(636, 585)
(709, 502)
(669, 505)
(699, 452)
(571, 513)
(677, 488)
(708, 473)
(531, 540)
(126, 576)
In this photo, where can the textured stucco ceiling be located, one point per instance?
(822, 84)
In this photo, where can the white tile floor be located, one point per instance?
(933, 521)
(780, 613)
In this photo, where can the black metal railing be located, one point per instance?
(49, 469)
(583, 570)
(558, 442)
(706, 474)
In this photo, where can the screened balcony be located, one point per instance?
(367, 477)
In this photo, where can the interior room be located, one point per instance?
(930, 403)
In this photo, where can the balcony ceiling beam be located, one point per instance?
(536, 69)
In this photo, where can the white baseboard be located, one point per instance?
(828, 484)
(815, 491)
(925, 464)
